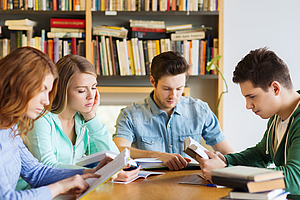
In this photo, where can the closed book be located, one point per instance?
(94, 159)
(12, 40)
(146, 54)
(67, 30)
(112, 55)
(247, 173)
(148, 35)
(18, 22)
(188, 36)
(117, 67)
(65, 35)
(147, 23)
(142, 29)
(258, 195)
(67, 23)
(249, 186)
(119, 32)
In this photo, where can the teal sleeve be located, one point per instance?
(39, 143)
(99, 137)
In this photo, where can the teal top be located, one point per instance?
(51, 146)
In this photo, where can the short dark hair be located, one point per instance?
(168, 63)
(262, 67)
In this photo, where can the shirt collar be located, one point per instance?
(156, 111)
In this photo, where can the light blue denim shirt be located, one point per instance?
(149, 128)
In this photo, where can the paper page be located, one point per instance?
(107, 171)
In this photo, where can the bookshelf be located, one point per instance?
(213, 84)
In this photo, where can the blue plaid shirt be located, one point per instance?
(149, 128)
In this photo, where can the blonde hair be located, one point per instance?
(23, 72)
(67, 67)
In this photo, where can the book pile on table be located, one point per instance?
(251, 182)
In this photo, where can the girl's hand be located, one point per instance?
(92, 113)
(73, 185)
(103, 162)
(126, 175)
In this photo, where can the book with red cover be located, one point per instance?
(141, 29)
(74, 46)
(67, 23)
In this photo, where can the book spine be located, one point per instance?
(67, 23)
(146, 55)
(148, 35)
(74, 46)
(188, 36)
(112, 55)
(116, 58)
(65, 35)
(141, 29)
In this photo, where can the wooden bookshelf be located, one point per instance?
(93, 18)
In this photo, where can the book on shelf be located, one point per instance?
(102, 30)
(142, 29)
(67, 23)
(147, 24)
(20, 27)
(268, 195)
(188, 36)
(178, 27)
(247, 173)
(249, 186)
(193, 148)
(68, 30)
(148, 35)
(107, 171)
(65, 35)
(141, 174)
(20, 22)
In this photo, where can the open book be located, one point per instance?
(142, 174)
(107, 171)
(155, 163)
(192, 148)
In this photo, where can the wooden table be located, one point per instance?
(160, 187)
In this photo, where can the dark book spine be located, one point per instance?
(148, 35)
(16, 4)
(238, 185)
(147, 63)
(12, 40)
(112, 55)
(116, 58)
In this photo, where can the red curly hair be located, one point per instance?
(23, 72)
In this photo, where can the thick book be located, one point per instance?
(193, 148)
(19, 22)
(258, 195)
(141, 29)
(119, 32)
(20, 27)
(188, 36)
(179, 27)
(249, 186)
(67, 23)
(107, 171)
(247, 173)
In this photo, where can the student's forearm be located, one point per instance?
(138, 153)
(223, 147)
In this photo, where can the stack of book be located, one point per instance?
(17, 28)
(251, 182)
(147, 29)
(63, 36)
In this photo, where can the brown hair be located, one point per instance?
(168, 63)
(67, 67)
(23, 72)
(262, 67)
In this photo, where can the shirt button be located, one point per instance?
(151, 141)
(169, 126)
(170, 145)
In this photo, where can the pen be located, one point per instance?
(204, 184)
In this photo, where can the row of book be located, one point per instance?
(251, 182)
(111, 5)
(42, 5)
(155, 5)
(124, 57)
